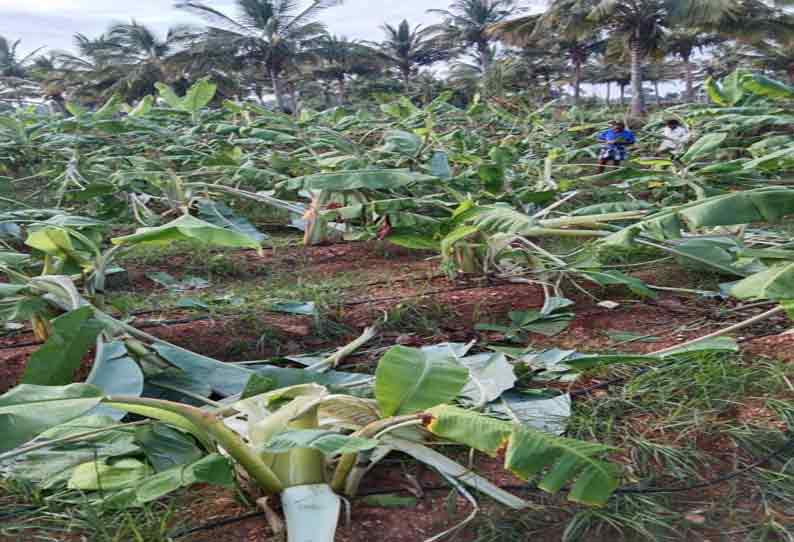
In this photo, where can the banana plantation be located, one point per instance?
(412, 319)
(229, 321)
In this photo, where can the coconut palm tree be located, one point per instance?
(341, 58)
(639, 26)
(142, 58)
(407, 49)
(89, 74)
(467, 23)
(14, 71)
(127, 60)
(12, 63)
(682, 43)
(570, 34)
(273, 35)
(764, 38)
(776, 55)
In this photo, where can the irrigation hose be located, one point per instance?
(215, 524)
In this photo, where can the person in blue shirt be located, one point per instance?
(615, 140)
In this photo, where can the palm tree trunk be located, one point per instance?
(278, 90)
(689, 75)
(637, 101)
(341, 87)
(327, 95)
(485, 56)
(406, 73)
(609, 92)
(656, 91)
(293, 90)
(577, 81)
(790, 73)
(622, 94)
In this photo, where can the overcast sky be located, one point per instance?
(52, 23)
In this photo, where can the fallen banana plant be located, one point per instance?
(307, 444)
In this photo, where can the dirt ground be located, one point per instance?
(387, 280)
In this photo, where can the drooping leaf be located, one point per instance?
(102, 475)
(27, 410)
(717, 344)
(408, 380)
(257, 385)
(503, 219)
(401, 142)
(219, 214)
(761, 85)
(166, 447)
(613, 207)
(554, 304)
(52, 466)
(188, 227)
(715, 92)
(369, 179)
(169, 281)
(776, 283)
(546, 414)
(490, 375)
(704, 146)
(55, 363)
(492, 177)
(528, 452)
(448, 467)
(228, 379)
(115, 373)
(213, 469)
(414, 241)
(164, 411)
(745, 207)
(610, 278)
(294, 307)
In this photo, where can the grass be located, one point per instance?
(675, 427)
(417, 316)
(28, 515)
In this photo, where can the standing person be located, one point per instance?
(617, 138)
(674, 137)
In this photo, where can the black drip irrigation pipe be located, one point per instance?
(214, 525)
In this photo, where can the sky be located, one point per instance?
(52, 23)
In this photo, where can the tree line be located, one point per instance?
(491, 47)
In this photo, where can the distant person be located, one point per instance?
(674, 137)
(617, 138)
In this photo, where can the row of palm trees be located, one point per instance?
(635, 31)
(282, 46)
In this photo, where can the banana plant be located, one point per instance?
(692, 231)
(484, 238)
(193, 102)
(345, 189)
(74, 245)
(307, 444)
